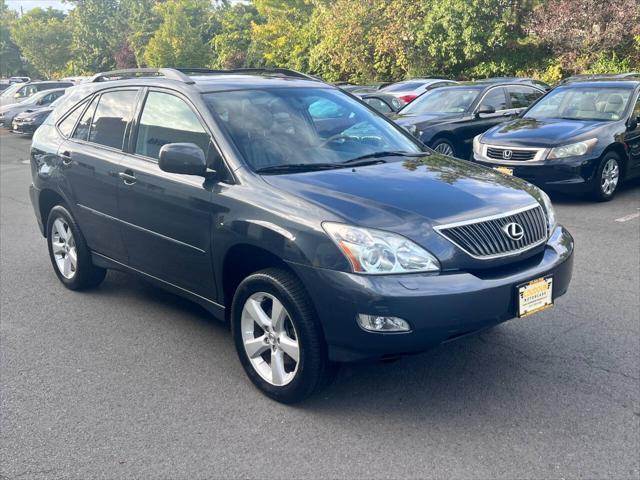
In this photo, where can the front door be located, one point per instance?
(632, 140)
(167, 218)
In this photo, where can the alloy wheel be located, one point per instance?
(63, 246)
(269, 338)
(610, 177)
(444, 148)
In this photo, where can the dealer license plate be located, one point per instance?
(505, 170)
(535, 296)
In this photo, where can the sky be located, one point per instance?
(29, 4)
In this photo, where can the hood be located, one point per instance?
(408, 197)
(8, 101)
(424, 119)
(32, 113)
(542, 133)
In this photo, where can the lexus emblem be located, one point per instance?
(514, 231)
(506, 154)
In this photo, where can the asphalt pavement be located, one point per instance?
(128, 381)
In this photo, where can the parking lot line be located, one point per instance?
(626, 218)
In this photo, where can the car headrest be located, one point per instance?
(587, 104)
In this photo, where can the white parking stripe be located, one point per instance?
(626, 218)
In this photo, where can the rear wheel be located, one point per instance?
(444, 147)
(68, 251)
(607, 177)
(278, 339)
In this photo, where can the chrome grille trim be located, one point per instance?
(519, 154)
(483, 238)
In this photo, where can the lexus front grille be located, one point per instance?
(501, 235)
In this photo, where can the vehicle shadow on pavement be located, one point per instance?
(626, 191)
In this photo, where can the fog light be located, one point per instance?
(375, 323)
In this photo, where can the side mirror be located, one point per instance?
(184, 158)
(485, 109)
(632, 124)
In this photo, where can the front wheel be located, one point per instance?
(444, 147)
(607, 177)
(278, 338)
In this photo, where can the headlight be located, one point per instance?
(378, 252)
(572, 150)
(477, 145)
(549, 210)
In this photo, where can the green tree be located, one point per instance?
(231, 45)
(178, 41)
(43, 39)
(142, 20)
(97, 28)
(10, 62)
(473, 37)
(285, 35)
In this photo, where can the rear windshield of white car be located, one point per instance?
(398, 87)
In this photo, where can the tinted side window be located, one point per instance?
(66, 126)
(522, 97)
(82, 130)
(168, 119)
(114, 112)
(378, 104)
(496, 99)
(636, 110)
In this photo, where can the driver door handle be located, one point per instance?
(128, 177)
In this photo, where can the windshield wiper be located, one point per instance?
(390, 153)
(297, 167)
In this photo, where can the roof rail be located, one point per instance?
(182, 74)
(285, 72)
(169, 73)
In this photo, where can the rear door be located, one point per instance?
(167, 218)
(91, 156)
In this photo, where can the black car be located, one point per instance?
(581, 137)
(26, 123)
(382, 102)
(318, 228)
(448, 118)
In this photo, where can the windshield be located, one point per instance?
(34, 98)
(588, 103)
(308, 126)
(11, 90)
(443, 100)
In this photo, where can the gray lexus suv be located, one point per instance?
(318, 229)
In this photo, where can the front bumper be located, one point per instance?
(438, 307)
(22, 128)
(571, 174)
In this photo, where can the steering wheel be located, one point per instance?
(333, 138)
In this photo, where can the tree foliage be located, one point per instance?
(351, 40)
(178, 42)
(10, 62)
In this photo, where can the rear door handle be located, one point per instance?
(128, 177)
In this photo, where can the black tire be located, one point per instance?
(597, 191)
(444, 144)
(86, 274)
(314, 371)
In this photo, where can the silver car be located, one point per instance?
(408, 90)
(34, 102)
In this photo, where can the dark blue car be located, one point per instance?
(580, 137)
(319, 229)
